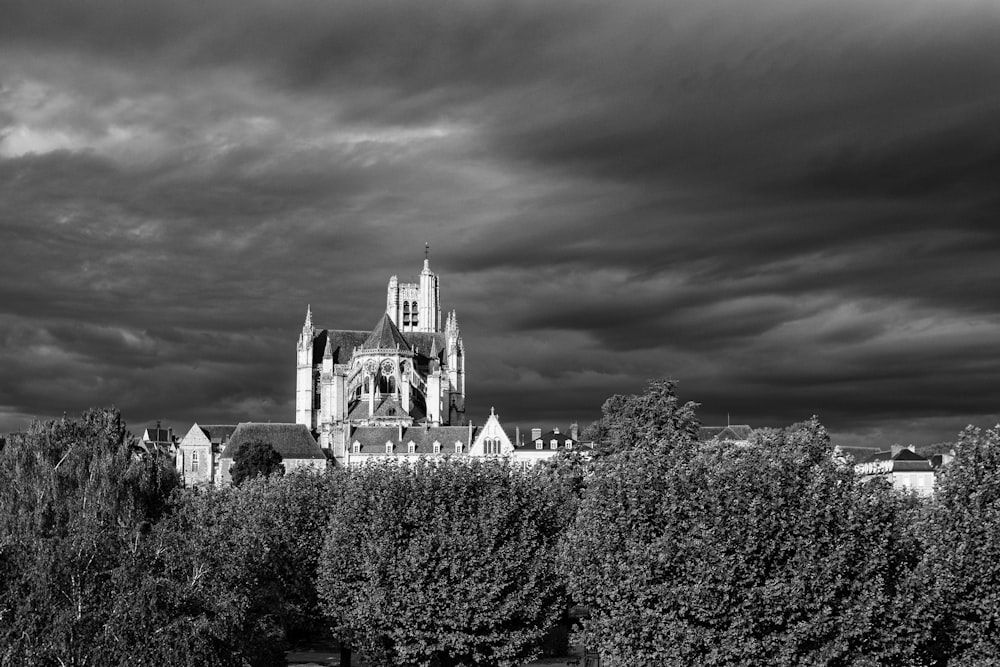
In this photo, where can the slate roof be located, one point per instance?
(157, 434)
(217, 433)
(546, 438)
(341, 341)
(373, 438)
(904, 460)
(385, 336)
(732, 432)
(858, 453)
(292, 441)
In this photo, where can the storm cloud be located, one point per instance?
(791, 208)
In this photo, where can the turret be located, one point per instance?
(305, 386)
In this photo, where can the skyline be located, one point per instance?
(790, 208)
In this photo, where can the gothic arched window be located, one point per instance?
(414, 320)
(406, 313)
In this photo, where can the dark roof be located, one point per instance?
(157, 434)
(732, 432)
(426, 343)
(373, 438)
(901, 455)
(385, 336)
(546, 438)
(341, 341)
(292, 441)
(858, 453)
(218, 433)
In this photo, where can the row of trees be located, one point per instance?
(684, 553)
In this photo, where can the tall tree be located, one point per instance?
(956, 602)
(768, 554)
(75, 494)
(444, 563)
(654, 418)
(255, 458)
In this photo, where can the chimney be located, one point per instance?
(536, 433)
(517, 436)
(574, 431)
(556, 430)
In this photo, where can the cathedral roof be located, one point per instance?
(292, 441)
(373, 438)
(341, 342)
(385, 336)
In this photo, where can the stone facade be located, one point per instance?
(406, 371)
(198, 453)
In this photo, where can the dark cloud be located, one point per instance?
(788, 207)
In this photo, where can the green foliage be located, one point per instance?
(228, 577)
(444, 563)
(253, 459)
(956, 602)
(653, 418)
(75, 495)
(768, 554)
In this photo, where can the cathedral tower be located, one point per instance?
(415, 306)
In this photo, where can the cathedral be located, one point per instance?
(407, 371)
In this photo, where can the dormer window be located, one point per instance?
(411, 447)
(388, 447)
(356, 447)
(437, 447)
(538, 444)
(553, 444)
(569, 444)
(458, 447)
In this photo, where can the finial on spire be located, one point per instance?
(427, 252)
(309, 317)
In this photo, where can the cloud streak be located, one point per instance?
(789, 207)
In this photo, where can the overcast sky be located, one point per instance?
(792, 208)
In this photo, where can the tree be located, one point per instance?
(255, 458)
(444, 563)
(75, 496)
(649, 419)
(956, 603)
(768, 554)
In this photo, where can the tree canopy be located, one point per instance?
(653, 418)
(737, 555)
(444, 563)
(255, 458)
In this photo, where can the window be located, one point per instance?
(492, 446)
(538, 443)
(356, 447)
(411, 447)
(458, 447)
(569, 444)
(388, 447)
(194, 461)
(553, 443)
(437, 447)
(414, 320)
